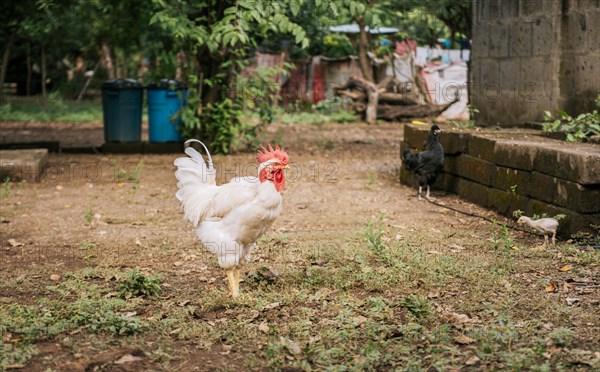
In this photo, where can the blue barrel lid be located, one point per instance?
(117, 84)
(167, 84)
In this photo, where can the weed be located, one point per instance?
(561, 336)
(122, 175)
(89, 215)
(15, 354)
(373, 236)
(417, 306)
(466, 124)
(576, 128)
(513, 189)
(501, 237)
(372, 175)
(557, 217)
(137, 284)
(134, 175)
(5, 192)
(88, 245)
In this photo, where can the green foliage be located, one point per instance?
(466, 124)
(54, 110)
(373, 236)
(5, 191)
(336, 110)
(417, 306)
(15, 354)
(260, 89)
(89, 215)
(501, 237)
(337, 46)
(578, 128)
(218, 40)
(77, 305)
(137, 284)
(561, 337)
(558, 217)
(123, 175)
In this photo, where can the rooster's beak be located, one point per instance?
(286, 167)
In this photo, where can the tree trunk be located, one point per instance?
(180, 64)
(117, 65)
(5, 59)
(363, 58)
(372, 102)
(88, 81)
(29, 71)
(372, 92)
(108, 61)
(43, 69)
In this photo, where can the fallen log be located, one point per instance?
(355, 95)
(399, 99)
(397, 112)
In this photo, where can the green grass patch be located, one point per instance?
(52, 111)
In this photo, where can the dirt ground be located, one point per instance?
(355, 273)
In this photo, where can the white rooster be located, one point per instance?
(229, 218)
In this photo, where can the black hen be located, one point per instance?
(428, 164)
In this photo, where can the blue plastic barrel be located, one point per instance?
(165, 100)
(122, 101)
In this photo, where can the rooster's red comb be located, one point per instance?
(277, 152)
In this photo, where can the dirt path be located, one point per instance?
(89, 223)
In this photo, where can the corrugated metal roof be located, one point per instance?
(353, 29)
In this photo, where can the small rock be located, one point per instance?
(14, 243)
(127, 358)
(55, 277)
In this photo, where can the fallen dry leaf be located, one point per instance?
(55, 277)
(263, 327)
(458, 318)
(551, 287)
(226, 349)
(463, 340)
(183, 303)
(292, 346)
(472, 360)
(572, 300)
(127, 358)
(271, 306)
(359, 320)
(567, 267)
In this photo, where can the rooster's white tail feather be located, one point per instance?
(196, 183)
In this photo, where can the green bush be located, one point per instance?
(578, 128)
(137, 284)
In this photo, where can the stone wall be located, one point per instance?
(519, 170)
(534, 55)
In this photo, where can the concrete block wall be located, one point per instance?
(518, 170)
(534, 55)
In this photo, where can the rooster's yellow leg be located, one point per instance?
(236, 275)
(232, 284)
